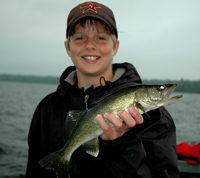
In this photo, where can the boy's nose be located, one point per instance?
(90, 44)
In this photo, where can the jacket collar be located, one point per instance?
(125, 75)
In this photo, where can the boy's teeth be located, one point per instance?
(91, 58)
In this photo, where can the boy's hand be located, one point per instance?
(112, 133)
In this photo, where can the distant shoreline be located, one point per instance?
(187, 86)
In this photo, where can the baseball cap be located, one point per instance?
(91, 10)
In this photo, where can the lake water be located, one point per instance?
(19, 100)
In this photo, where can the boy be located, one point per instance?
(138, 147)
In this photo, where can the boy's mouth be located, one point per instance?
(91, 58)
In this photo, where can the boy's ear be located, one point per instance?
(116, 48)
(67, 49)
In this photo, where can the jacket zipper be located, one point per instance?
(86, 99)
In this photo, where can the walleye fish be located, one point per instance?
(85, 128)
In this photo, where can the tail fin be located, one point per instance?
(56, 163)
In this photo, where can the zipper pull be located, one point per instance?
(86, 99)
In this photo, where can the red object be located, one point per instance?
(188, 153)
(90, 6)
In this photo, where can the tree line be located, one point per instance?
(183, 85)
(29, 79)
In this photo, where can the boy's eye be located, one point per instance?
(79, 38)
(101, 38)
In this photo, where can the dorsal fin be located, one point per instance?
(72, 120)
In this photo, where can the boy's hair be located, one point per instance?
(94, 25)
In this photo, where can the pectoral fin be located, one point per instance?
(139, 106)
(92, 147)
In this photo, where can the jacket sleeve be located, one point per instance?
(146, 151)
(36, 147)
(159, 141)
(45, 136)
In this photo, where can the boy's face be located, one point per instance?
(92, 50)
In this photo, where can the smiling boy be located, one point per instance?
(91, 49)
(139, 147)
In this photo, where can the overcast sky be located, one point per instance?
(160, 38)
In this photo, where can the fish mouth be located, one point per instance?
(168, 95)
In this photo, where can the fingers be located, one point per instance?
(130, 120)
(105, 127)
(113, 132)
(136, 115)
(114, 120)
(119, 127)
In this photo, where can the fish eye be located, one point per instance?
(161, 87)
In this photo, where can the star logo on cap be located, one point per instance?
(90, 6)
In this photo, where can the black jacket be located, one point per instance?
(146, 151)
